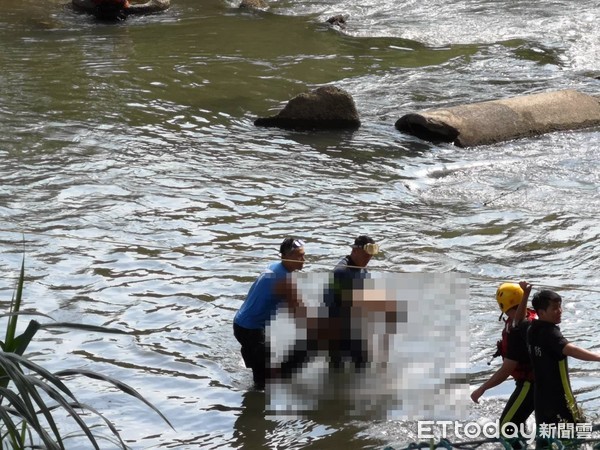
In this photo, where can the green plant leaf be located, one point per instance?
(20, 343)
(6, 417)
(25, 407)
(15, 306)
(14, 374)
(27, 393)
(81, 326)
(118, 384)
(19, 406)
(21, 411)
(108, 423)
(26, 313)
(44, 373)
(63, 403)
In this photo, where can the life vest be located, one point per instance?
(523, 371)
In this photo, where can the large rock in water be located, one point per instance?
(254, 4)
(501, 120)
(151, 6)
(327, 107)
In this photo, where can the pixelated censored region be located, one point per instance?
(379, 346)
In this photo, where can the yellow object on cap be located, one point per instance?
(508, 296)
(371, 249)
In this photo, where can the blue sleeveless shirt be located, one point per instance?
(261, 302)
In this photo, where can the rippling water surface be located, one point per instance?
(142, 196)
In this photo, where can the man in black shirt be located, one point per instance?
(347, 279)
(548, 350)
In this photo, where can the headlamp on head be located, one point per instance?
(370, 248)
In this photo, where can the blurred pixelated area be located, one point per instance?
(393, 346)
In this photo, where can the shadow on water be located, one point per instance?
(329, 426)
(251, 428)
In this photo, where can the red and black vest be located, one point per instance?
(524, 370)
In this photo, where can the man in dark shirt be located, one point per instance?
(348, 278)
(548, 350)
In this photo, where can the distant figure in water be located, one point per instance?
(118, 9)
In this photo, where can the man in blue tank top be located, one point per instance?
(271, 289)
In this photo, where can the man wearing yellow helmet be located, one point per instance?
(512, 300)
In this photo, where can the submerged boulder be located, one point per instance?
(327, 107)
(254, 4)
(337, 21)
(502, 120)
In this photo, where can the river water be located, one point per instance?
(143, 198)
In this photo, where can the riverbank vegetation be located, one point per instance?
(34, 402)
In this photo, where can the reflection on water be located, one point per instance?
(252, 428)
(143, 198)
